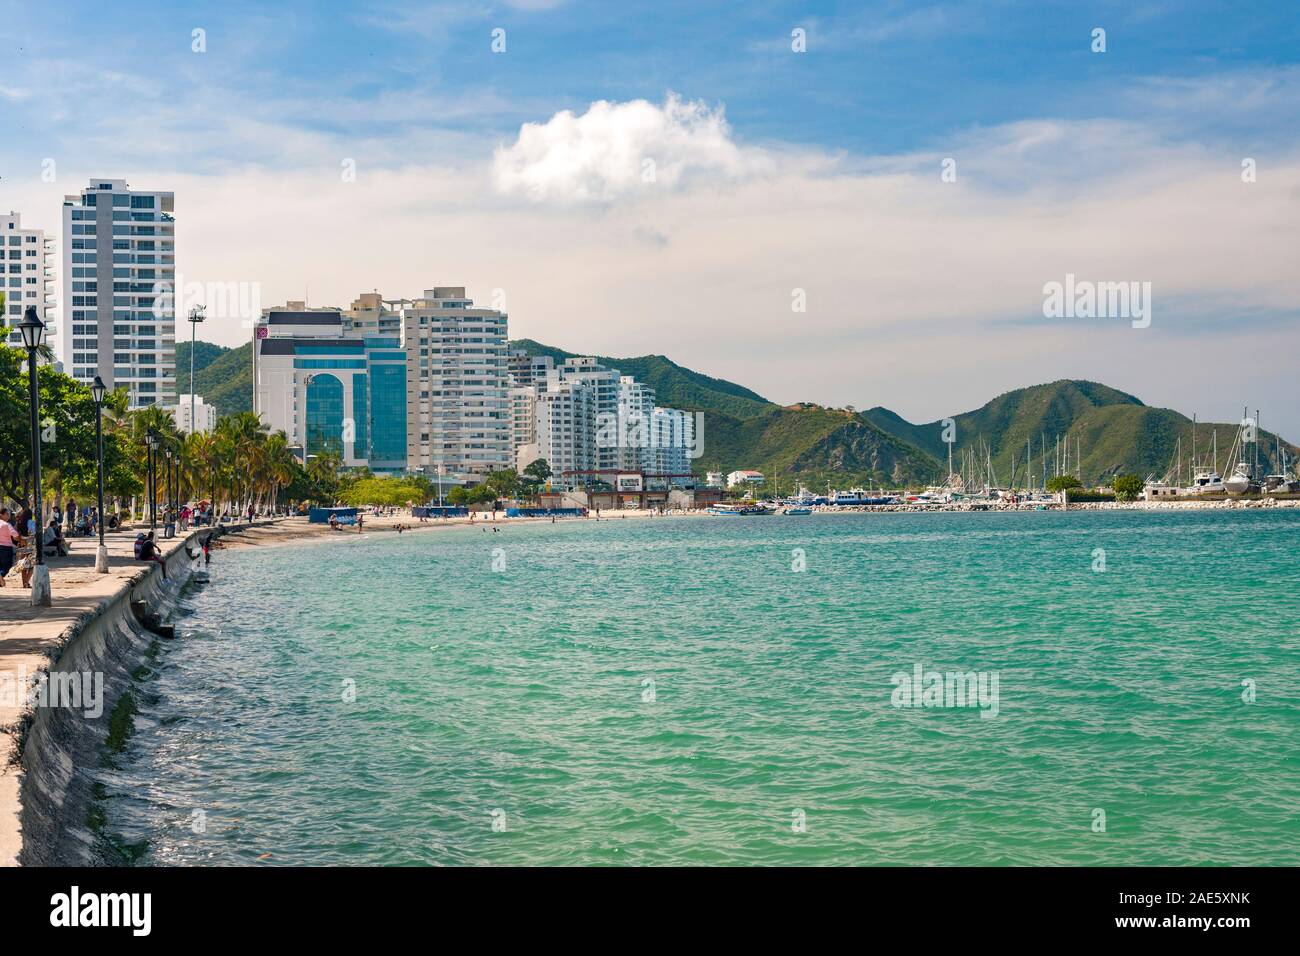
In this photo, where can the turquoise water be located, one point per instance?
(520, 698)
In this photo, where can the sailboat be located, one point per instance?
(1280, 483)
(1205, 481)
(1243, 473)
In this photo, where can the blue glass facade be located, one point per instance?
(388, 414)
(325, 415)
(361, 448)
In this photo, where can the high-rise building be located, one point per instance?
(604, 384)
(26, 276)
(118, 300)
(566, 430)
(205, 415)
(523, 423)
(332, 390)
(457, 387)
(672, 438)
(636, 407)
(526, 369)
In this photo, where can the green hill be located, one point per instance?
(813, 445)
(223, 376)
(1110, 431)
(1106, 431)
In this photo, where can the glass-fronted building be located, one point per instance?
(330, 391)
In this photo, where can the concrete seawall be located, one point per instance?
(90, 652)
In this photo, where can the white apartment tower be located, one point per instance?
(672, 437)
(566, 430)
(523, 422)
(636, 407)
(119, 275)
(457, 384)
(604, 385)
(26, 276)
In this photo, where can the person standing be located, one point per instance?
(9, 540)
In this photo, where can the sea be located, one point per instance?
(1034, 688)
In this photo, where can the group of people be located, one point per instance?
(18, 538)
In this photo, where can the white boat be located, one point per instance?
(1280, 485)
(740, 510)
(1239, 482)
(1207, 482)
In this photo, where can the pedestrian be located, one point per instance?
(9, 539)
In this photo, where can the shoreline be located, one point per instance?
(297, 530)
(80, 652)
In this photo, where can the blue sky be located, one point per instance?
(816, 171)
(882, 77)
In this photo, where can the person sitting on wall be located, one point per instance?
(147, 550)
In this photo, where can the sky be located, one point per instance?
(845, 203)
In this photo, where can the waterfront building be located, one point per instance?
(118, 288)
(596, 424)
(603, 384)
(330, 389)
(636, 409)
(459, 424)
(26, 276)
(672, 438)
(566, 429)
(204, 414)
(744, 477)
(523, 420)
(713, 479)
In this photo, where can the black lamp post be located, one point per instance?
(168, 526)
(151, 441)
(33, 331)
(98, 389)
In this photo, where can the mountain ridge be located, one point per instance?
(1108, 431)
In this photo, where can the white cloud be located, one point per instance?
(619, 149)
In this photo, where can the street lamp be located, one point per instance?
(196, 316)
(151, 440)
(98, 389)
(33, 330)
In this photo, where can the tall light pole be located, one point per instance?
(98, 389)
(151, 441)
(196, 316)
(33, 330)
(167, 496)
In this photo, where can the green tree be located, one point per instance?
(1059, 483)
(67, 430)
(504, 483)
(539, 471)
(1128, 487)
